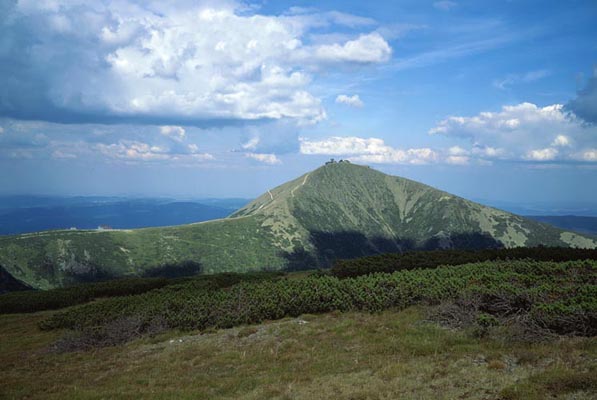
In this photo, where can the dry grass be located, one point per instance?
(342, 356)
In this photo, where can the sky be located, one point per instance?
(492, 100)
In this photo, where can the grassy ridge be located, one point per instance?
(560, 297)
(62, 258)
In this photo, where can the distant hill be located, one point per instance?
(340, 210)
(23, 214)
(587, 225)
(555, 208)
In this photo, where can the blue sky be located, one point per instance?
(488, 100)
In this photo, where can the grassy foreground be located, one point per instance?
(353, 355)
(490, 330)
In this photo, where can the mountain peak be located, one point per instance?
(344, 197)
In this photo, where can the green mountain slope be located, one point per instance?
(338, 210)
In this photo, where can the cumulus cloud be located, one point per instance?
(338, 145)
(546, 154)
(352, 101)
(523, 132)
(125, 143)
(585, 103)
(487, 151)
(457, 151)
(458, 156)
(151, 61)
(264, 158)
(135, 151)
(589, 155)
(369, 48)
(458, 160)
(176, 133)
(368, 150)
(561, 141)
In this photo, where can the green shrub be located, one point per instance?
(431, 259)
(32, 301)
(555, 294)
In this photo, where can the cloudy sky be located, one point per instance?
(493, 100)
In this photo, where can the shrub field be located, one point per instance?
(430, 259)
(557, 297)
(32, 301)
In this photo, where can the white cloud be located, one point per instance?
(372, 150)
(174, 132)
(337, 145)
(1, 130)
(196, 61)
(457, 155)
(561, 141)
(251, 144)
(457, 151)
(589, 155)
(508, 120)
(445, 5)
(546, 154)
(369, 48)
(353, 101)
(194, 154)
(264, 158)
(202, 157)
(487, 151)
(133, 151)
(97, 143)
(522, 132)
(458, 160)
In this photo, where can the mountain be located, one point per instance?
(340, 210)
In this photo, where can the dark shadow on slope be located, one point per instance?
(464, 241)
(8, 283)
(87, 273)
(300, 260)
(70, 272)
(330, 247)
(174, 270)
